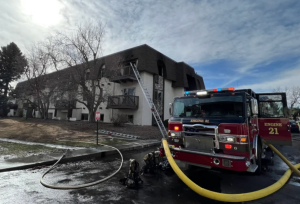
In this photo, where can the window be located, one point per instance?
(156, 78)
(161, 68)
(129, 91)
(273, 109)
(158, 95)
(130, 118)
(102, 117)
(198, 82)
(270, 97)
(271, 106)
(217, 106)
(126, 68)
(101, 71)
(248, 107)
(84, 116)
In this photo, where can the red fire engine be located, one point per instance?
(225, 128)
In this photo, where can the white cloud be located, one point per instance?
(285, 78)
(249, 33)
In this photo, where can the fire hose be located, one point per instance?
(242, 197)
(82, 185)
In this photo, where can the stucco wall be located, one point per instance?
(170, 94)
(51, 111)
(76, 113)
(62, 115)
(137, 114)
(145, 109)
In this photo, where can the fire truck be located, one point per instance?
(225, 128)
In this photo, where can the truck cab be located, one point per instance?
(225, 128)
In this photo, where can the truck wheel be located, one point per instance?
(258, 159)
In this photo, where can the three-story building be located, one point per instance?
(163, 77)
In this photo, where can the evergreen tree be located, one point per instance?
(12, 66)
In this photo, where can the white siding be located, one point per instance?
(76, 113)
(62, 114)
(51, 112)
(170, 94)
(137, 114)
(141, 116)
(146, 113)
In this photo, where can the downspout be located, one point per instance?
(112, 110)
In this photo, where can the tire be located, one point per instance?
(258, 159)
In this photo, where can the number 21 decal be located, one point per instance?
(273, 131)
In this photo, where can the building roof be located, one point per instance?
(148, 61)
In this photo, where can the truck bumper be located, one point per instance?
(209, 160)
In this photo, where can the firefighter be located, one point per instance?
(133, 178)
(151, 162)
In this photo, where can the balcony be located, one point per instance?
(65, 104)
(123, 102)
(29, 105)
(124, 75)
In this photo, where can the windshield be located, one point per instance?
(216, 106)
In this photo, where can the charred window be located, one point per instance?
(101, 71)
(161, 68)
(127, 69)
(191, 83)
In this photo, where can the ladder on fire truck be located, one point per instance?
(156, 116)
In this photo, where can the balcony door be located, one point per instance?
(129, 98)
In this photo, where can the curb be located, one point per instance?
(81, 157)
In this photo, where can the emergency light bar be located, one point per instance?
(201, 93)
(205, 92)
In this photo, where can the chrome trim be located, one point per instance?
(223, 156)
(252, 168)
(217, 143)
(216, 161)
(198, 133)
(234, 143)
(233, 135)
(201, 125)
(255, 145)
(215, 134)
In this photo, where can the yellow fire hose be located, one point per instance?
(233, 197)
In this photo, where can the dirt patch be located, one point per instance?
(39, 130)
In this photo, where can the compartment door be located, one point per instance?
(273, 121)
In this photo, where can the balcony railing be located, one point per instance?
(124, 75)
(65, 104)
(123, 102)
(29, 105)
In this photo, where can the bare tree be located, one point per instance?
(41, 87)
(81, 51)
(292, 94)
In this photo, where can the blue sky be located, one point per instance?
(245, 44)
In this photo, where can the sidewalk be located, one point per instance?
(73, 154)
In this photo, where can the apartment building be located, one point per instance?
(163, 77)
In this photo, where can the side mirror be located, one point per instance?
(170, 109)
(254, 106)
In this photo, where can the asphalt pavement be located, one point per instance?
(163, 187)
